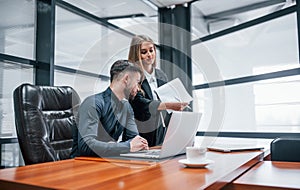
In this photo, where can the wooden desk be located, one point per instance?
(270, 175)
(93, 174)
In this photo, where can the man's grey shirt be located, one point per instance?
(102, 119)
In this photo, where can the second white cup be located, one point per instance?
(195, 154)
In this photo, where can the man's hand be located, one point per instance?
(138, 143)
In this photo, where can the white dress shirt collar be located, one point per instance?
(150, 76)
(152, 82)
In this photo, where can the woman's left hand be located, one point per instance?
(176, 106)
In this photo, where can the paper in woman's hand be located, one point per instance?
(173, 91)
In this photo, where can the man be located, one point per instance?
(104, 117)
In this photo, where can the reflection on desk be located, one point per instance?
(270, 175)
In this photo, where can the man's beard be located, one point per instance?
(127, 93)
(131, 96)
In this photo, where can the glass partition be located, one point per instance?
(268, 47)
(265, 106)
(17, 28)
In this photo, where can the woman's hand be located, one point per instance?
(176, 106)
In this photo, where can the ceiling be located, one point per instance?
(135, 16)
(167, 3)
(208, 16)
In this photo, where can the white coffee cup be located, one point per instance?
(195, 154)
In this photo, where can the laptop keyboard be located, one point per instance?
(153, 152)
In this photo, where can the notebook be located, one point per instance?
(181, 132)
(234, 147)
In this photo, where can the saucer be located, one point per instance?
(195, 164)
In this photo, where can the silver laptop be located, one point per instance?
(181, 132)
(234, 147)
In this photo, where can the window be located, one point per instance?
(248, 52)
(17, 28)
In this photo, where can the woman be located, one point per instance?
(149, 111)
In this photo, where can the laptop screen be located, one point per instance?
(181, 133)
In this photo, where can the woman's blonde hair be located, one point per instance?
(134, 55)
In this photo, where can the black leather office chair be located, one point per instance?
(285, 149)
(45, 118)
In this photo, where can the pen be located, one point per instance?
(180, 101)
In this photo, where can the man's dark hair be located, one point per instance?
(122, 66)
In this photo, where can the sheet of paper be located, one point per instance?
(173, 91)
